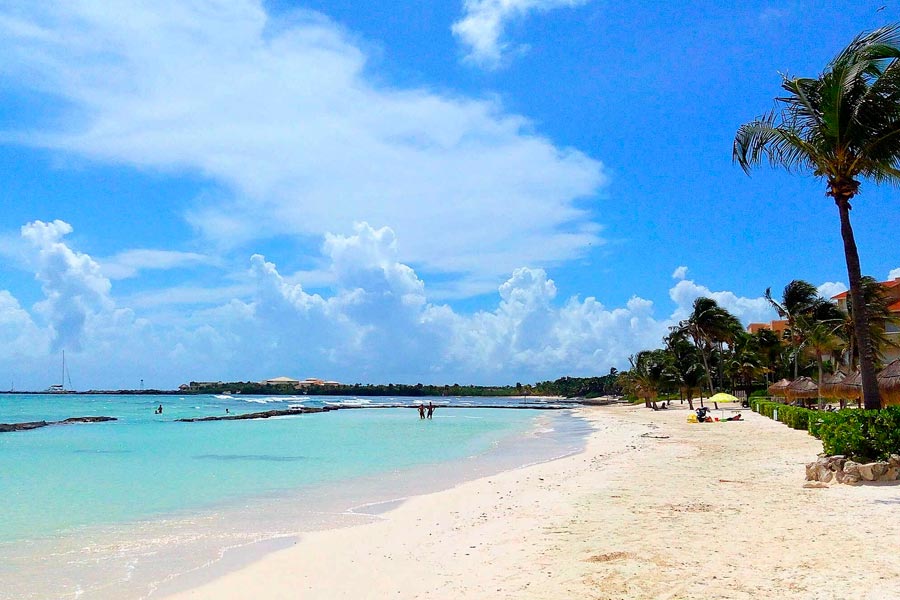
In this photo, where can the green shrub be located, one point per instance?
(862, 435)
(795, 417)
(759, 394)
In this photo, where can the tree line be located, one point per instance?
(568, 387)
(709, 351)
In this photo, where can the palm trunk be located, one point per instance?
(870, 394)
(821, 403)
(708, 376)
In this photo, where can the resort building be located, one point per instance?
(892, 291)
(779, 326)
(310, 381)
(281, 381)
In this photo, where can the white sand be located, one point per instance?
(653, 508)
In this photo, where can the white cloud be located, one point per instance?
(282, 116)
(19, 336)
(131, 262)
(746, 309)
(680, 273)
(73, 285)
(378, 323)
(482, 27)
(894, 274)
(831, 288)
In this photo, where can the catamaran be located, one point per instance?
(60, 388)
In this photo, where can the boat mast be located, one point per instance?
(64, 371)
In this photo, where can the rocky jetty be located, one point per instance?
(843, 470)
(8, 427)
(262, 415)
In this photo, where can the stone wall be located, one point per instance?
(842, 470)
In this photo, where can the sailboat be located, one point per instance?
(60, 388)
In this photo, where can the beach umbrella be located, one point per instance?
(722, 397)
(778, 388)
(802, 388)
(850, 387)
(828, 385)
(889, 384)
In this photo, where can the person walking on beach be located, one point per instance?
(430, 409)
(421, 411)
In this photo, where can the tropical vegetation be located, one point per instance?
(842, 126)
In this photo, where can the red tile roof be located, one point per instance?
(895, 307)
(886, 284)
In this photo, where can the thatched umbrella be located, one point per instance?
(778, 388)
(889, 384)
(850, 388)
(801, 389)
(828, 385)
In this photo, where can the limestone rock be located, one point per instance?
(872, 471)
(890, 474)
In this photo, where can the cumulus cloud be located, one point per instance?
(377, 323)
(282, 117)
(482, 27)
(746, 309)
(830, 289)
(894, 274)
(73, 286)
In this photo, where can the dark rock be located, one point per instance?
(8, 427)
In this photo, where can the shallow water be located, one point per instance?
(112, 510)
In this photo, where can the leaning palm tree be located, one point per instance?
(798, 298)
(879, 315)
(842, 126)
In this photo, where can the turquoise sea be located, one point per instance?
(116, 509)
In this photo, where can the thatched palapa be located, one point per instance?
(802, 388)
(851, 387)
(889, 384)
(778, 388)
(828, 386)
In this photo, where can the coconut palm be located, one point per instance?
(683, 366)
(797, 297)
(647, 374)
(709, 325)
(769, 348)
(820, 337)
(842, 126)
(879, 316)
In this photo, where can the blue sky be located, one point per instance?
(475, 191)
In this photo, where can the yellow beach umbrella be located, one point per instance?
(722, 397)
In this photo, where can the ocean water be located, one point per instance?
(114, 510)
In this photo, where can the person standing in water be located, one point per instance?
(430, 409)
(421, 411)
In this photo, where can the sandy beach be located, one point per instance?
(653, 507)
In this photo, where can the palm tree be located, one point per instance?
(647, 373)
(819, 338)
(683, 364)
(879, 316)
(709, 325)
(842, 126)
(798, 298)
(769, 348)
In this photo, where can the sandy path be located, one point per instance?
(654, 508)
